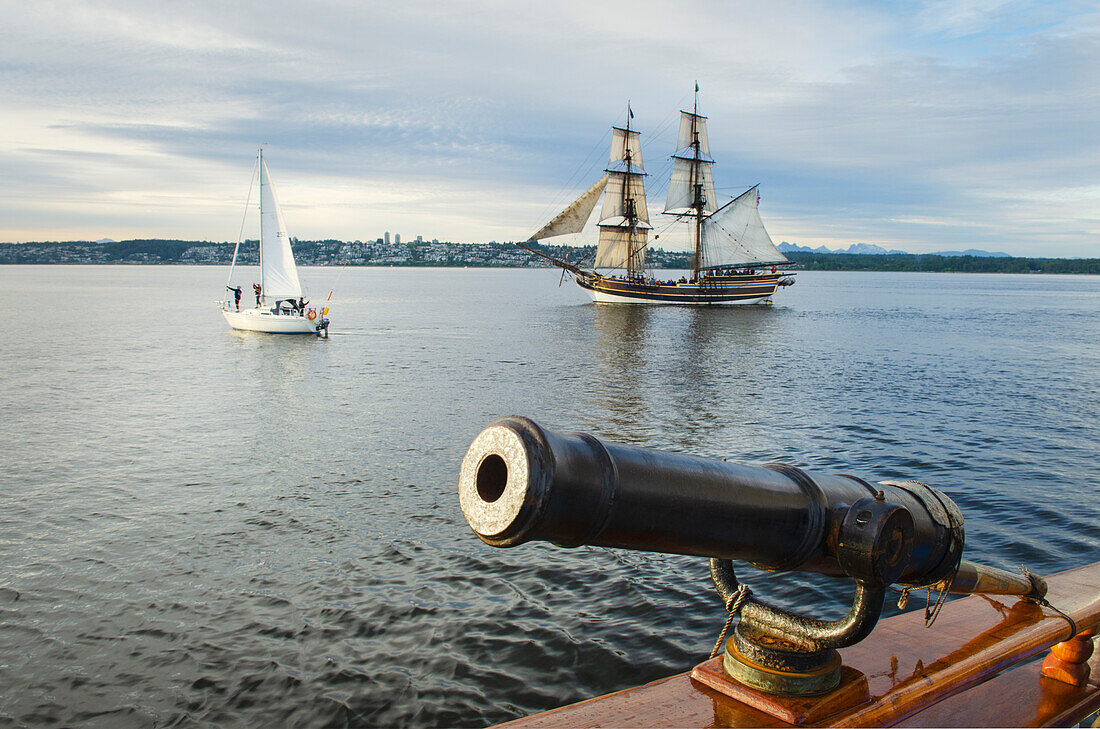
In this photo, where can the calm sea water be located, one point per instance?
(204, 527)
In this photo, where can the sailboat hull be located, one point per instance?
(263, 320)
(714, 290)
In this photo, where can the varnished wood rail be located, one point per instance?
(978, 665)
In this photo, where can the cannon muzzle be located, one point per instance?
(520, 482)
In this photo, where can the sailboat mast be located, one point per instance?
(260, 165)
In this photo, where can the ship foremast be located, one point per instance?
(698, 196)
(624, 218)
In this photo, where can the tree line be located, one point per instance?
(335, 252)
(942, 264)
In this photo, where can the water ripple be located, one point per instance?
(203, 528)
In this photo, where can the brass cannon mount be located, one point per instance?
(872, 541)
(520, 482)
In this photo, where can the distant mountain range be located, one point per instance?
(870, 249)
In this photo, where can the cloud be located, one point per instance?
(470, 120)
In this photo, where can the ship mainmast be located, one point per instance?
(691, 184)
(698, 197)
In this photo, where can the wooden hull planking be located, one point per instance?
(716, 290)
(974, 667)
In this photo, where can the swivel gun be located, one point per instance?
(520, 482)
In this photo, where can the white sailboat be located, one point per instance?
(280, 307)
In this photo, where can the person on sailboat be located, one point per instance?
(258, 290)
(302, 306)
(236, 296)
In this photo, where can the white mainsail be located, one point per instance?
(278, 274)
(735, 235)
(689, 169)
(573, 218)
(624, 219)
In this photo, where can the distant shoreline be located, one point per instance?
(443, 266)
(436, 254)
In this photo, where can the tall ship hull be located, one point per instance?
(708, 290)
(734, 261)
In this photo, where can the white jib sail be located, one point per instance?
(277, 269)
(735, 235)
(573, 218)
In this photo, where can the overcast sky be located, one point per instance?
(914, 125)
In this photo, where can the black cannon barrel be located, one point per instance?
(520, 482)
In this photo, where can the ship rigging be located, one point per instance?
(734, 260)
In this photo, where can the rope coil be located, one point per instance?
(931, 612)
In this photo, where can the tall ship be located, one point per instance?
(734, 260)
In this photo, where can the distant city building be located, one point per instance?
(387, 237)
(339, 253)
(397, 239)
(419, 239)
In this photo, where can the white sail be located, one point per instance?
(619, 248)
(278, 273)
(617, 202)
(735, 235)
(685, 140)
(573, 218)
(624, 218)
(690, 168)
(624, 141)
(681, 190)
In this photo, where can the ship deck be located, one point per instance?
(977, 666)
